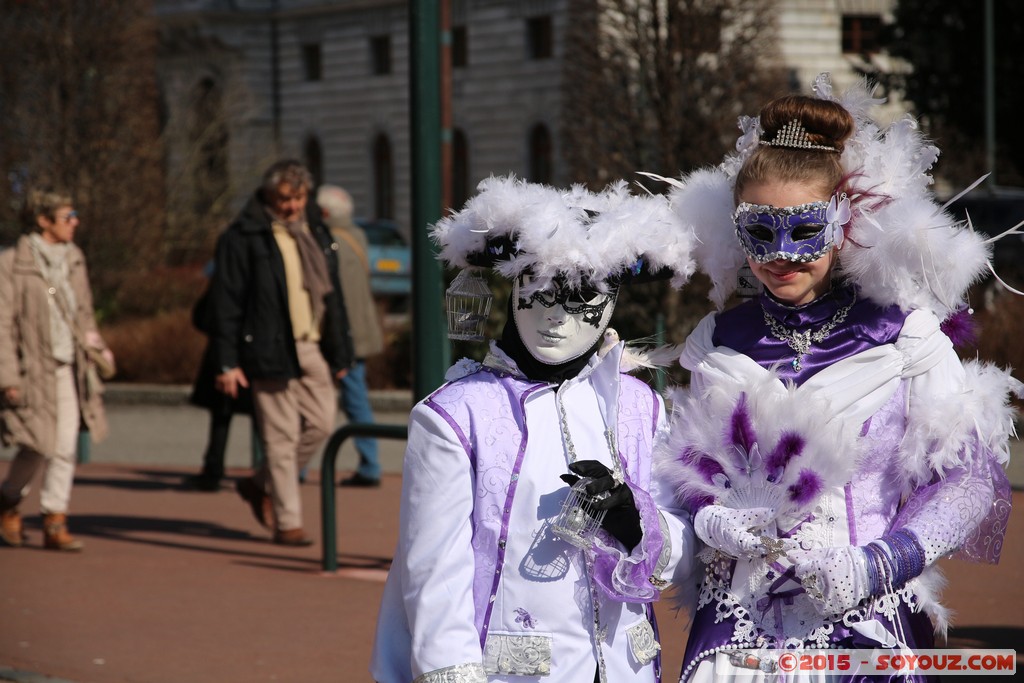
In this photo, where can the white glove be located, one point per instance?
(729, 529)
(835, 578)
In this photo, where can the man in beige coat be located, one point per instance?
(49, 384)
(364, 324)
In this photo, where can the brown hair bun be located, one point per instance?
(826, 122)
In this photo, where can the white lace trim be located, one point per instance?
(812, 628)
(462, 368)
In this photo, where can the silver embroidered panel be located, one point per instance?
(666, 548)
(519, 655)
(461, 673)
(642, 642)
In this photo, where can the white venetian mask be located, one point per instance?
(560, 324)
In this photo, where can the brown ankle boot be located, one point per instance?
(55, 534)
(11, 533)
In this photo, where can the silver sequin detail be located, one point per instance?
(517, 655)
(461, 673)
(642, 642)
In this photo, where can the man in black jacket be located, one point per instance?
(279, 327)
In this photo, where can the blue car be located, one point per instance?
(390, 257)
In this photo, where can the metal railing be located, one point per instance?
(328, 485)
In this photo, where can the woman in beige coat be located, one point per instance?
(49, 384)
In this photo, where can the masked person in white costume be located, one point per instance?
(482, 588)
(831, 445)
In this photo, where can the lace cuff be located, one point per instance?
(623, 577)
(460, 673)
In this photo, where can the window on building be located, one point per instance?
(861, 33)
(380, 54)
(383, 178)
(793, 80)
(208, 135)
(460, 169)
(540, 154)
(460, 48)
(314, 157)
(539, 37)
(312, 66)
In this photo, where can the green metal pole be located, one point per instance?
(84, 446)
(431, 355)
(328, 516)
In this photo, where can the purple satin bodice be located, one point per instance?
(866, 326)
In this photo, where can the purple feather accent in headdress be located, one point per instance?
(789, 446)
(741, 431)
(961, 328)
(806, 487)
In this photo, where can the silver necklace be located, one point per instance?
(801, 342)
(609, 435)
(600, 632)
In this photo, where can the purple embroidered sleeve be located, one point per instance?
(626, 577)
(965, 511)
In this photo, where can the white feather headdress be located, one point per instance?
(592, 238)
(902, 247)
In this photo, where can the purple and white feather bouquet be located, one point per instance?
(754, 444)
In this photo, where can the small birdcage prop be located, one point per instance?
(468, 300)
(579, 520)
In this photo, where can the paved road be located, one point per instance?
(152, 424)
(155, 425)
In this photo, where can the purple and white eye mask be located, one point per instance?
(800, 234)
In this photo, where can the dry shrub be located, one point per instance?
(162, 349)
(165, 349)
(141, 294)
(1002, 328)
(392, 368)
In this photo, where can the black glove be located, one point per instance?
(622, 519)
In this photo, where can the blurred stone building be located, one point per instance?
(244, 82)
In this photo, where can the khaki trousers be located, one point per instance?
(294, 418)
(58, 467)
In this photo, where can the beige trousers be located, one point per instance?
(59, 467)
(294, 418)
